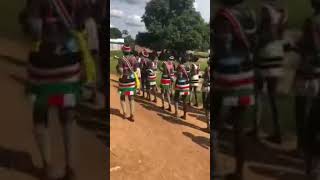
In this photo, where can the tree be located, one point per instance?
(115, 33)
(129, 40)
(175, 24)
(125, 32)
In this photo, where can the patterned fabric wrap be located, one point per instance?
(152, 78)
(194, 73)
(182, 86)
(236, 85)
(166, 79)
(233, 73)
(165, 82)
(127, 87)
(54, 79)
(127, 83)
(195, 80)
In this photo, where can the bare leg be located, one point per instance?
(259, 84)
(272, 88)
(215, 135)
(203, 99)
(239, 140)
(68, 122)
(184, 99)
(190, 97)
(169, 100)
(41, 134)
(123, 105)
(301, 106)
(176, 103)
(131, 99)
(195, 96)
(154, 89)
(162, 98)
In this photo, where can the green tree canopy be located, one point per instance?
(174, 24)
(129, 40)
(125, 32)
(115, 33)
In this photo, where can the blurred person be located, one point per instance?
(307, 91)
(127, 66)
(234, 34)
(166, 81)
(270, 57)
(182, 87)
(54, 73)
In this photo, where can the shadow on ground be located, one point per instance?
(269, 161)
(200, 140)
(14, 61)
(18, 161)
(166, 115)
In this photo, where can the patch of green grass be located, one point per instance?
(116, 53)
(113, 61)
(201, 54)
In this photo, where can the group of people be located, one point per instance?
(57, 67)
(249, 53)
(178, 80)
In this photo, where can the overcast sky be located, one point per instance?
(126, 14)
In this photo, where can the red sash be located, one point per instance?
(236, 26)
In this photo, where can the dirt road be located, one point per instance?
(156, 146)
(19, 157)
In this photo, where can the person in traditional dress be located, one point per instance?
(270, 57)
(307, 84)
(91, 32)
(166, 81)
(139, 57)
(182, 87)
(194, 83)
(234, 34)
(143, 68)
(127, 66)
(206, 93)
(54, 75)
(152, 78)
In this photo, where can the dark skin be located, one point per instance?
(224, 36)
(165, 92)
(183, 98)
(51, 34)
(193, 90)
(268, 33)
(130, 97)
(307, 107)
(206, 97)
(152, 89)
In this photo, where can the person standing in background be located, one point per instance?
(91, 32)
(270, 57)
